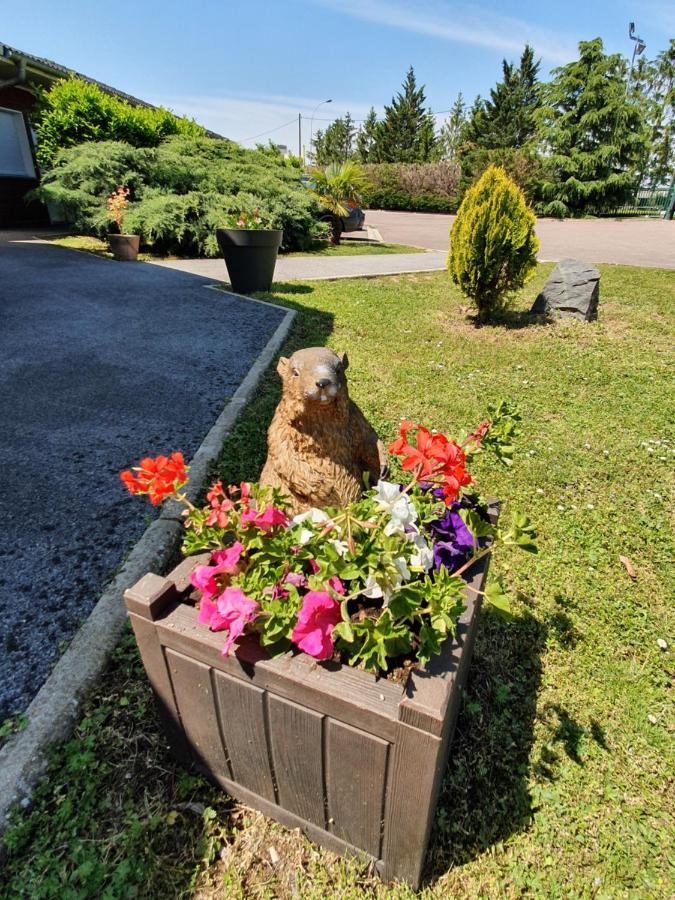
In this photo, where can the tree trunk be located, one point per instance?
(335, 230)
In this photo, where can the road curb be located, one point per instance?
(54, 710)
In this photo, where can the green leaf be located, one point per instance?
(496, 596)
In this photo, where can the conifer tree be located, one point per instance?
(406, 134)
(451, 134)
(507, 119)
(365, 139)
(336, 143)
(594, 135)
(655, 81)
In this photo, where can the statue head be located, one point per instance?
(314, 376)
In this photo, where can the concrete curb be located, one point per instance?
(53, 712)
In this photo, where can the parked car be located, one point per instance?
(355, 220)
(356, 217)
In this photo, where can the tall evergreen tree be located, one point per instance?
(655, 81)
(406, 134)
(507, 119)
(336, 143)
(365, 139)
(593, 133)
(452, 132)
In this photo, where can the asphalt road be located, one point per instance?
(102, 363)
(627, 242)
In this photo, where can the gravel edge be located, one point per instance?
(53, 713)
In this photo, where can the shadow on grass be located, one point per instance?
(512, 320)
(485, 797)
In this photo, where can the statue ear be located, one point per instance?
(344, 359)
(282, 366)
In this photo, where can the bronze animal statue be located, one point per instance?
(320, 444)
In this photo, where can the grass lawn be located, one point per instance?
(348, 247)
(560, 780)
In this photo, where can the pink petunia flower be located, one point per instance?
(336, 584)
(231, 612)
(316, 620)
(226, 561)
(265, 520)
(297, 579)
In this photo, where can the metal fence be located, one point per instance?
(654, 202)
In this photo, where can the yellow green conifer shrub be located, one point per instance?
(493, 246)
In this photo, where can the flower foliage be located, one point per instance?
(377, 584)
(118, 203)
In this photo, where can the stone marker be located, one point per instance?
(571, 290)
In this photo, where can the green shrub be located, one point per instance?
(493, 246)
(416, 187)
(180, 192)
(75, 111)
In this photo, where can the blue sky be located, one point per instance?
(242, 68)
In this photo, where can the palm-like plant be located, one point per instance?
(334, 188)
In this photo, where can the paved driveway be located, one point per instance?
(102, 362)
(629, 242)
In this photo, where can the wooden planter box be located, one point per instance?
(355, 762)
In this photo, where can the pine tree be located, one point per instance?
(365, 139)
(594, 135)
(507, 119)
(451, 134)
(406, 134)
(336, 143)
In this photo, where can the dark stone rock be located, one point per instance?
(572, 290)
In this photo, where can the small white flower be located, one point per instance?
(341, 547)
(371, 588)
(589, 506)
(398, 505)
(661, 644)
(652, 719)
(587, 446)
(423, 556)
(561, 509)
(403, 569)
(540, 491)
(313, 515)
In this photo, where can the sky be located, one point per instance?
(247, 68)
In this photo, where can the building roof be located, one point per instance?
(45, 71)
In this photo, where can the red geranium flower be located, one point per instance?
(434, 459)
(159, 478)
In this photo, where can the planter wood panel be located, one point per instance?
(355, 762)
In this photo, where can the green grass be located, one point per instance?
(348, 247)
(560, 780)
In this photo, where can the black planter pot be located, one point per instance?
(250, 257)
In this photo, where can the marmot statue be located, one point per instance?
(320, 444)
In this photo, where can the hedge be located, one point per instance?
(75, 111)
(417, 187)
(180, 192)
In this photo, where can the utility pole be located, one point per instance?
(300, 135)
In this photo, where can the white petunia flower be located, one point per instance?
(423, 556)
(313, 515)
(399, 506)
(341, 547)
(371, 588)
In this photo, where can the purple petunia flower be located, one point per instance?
(452, 540)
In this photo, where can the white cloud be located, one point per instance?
(242, 116)
(458, 23)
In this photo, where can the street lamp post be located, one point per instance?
(311, 122)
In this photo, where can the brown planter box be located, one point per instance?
(355, 762)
